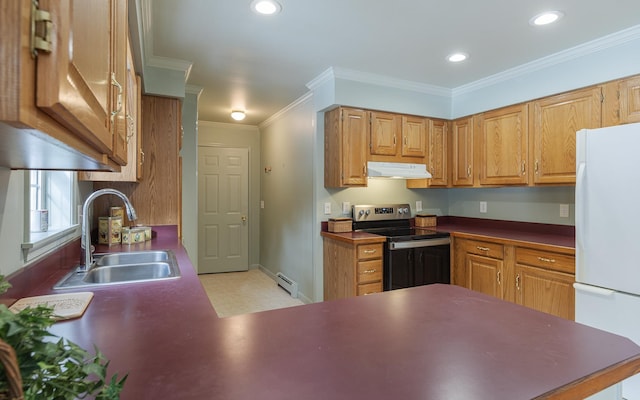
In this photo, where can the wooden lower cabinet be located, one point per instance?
(544, 281)
(352, 268)
(531, 275)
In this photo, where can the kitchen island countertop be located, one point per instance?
(435, 342)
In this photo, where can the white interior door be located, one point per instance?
(223, 198)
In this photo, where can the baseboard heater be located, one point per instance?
(287, 284)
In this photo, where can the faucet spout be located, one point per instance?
(86, 262)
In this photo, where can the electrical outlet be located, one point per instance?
(564, 211)
(418, 205)
(483, 207)
(327, 208)
(346, 208)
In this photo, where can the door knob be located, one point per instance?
(244, 218)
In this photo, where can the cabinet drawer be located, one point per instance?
(369, 251)
(546, 259)
(369, 271)
(369, 288)
(488, 249)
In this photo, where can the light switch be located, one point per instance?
(564, 211)
(418, 205)
(327, 208)
(483, 207)
(346, 208)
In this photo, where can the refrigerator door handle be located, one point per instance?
(580, 207)
(593, 289)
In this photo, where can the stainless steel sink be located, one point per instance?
(136, 257)
(126, 267)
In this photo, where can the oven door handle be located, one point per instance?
(411, 244)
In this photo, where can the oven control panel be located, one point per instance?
(381, 212)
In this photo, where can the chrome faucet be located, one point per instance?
(86, 262)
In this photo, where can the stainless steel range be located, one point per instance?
(412, 256)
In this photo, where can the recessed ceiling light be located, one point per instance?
(457, 57)
(546, 18)
(266, 7)
(237, 115)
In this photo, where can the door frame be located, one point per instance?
(250, 213)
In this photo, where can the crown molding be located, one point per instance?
(603, 43)
(381, 80)
(193, 89)
(327, 76)
(149, 59)
(283, 111)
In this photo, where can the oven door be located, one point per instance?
(416, 262)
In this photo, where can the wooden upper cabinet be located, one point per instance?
(462, 152)
(556, 120)
(437, 161)
(415, 136)
(80, 82)
(345, 147)
(121, 60)
(385, 130)
(630, 100)
(58, 98)
(503, 143)
(132, 172)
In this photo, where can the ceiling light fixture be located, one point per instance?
(457, 57)
(266, 7)
(237, 115)
(546, 18)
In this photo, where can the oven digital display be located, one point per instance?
(384, 210)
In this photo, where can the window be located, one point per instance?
(49, 214)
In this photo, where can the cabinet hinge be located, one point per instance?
(41, 29)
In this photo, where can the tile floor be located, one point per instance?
(235, 293)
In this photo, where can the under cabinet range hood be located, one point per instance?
(397, 170)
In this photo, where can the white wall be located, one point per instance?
(189, 155)
(11, 220)
(287, 229)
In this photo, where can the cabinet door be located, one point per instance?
(74, 81)
(462, 152)
(503, 146)
(132, 172)
(547, 291)
(385, 129)
(484, 275)
(630, 100)
(414, 136)
(354, 147)
(431, 265)
(437, 161)
(119, 70)
(556, 120)
(401, 275)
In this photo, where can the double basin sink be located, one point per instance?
(125, 267)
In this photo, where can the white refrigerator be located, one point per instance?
(608, 237)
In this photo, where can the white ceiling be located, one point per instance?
(262, 64)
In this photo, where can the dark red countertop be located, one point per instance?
(561, 236)
(545, 234)
(428, 342)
